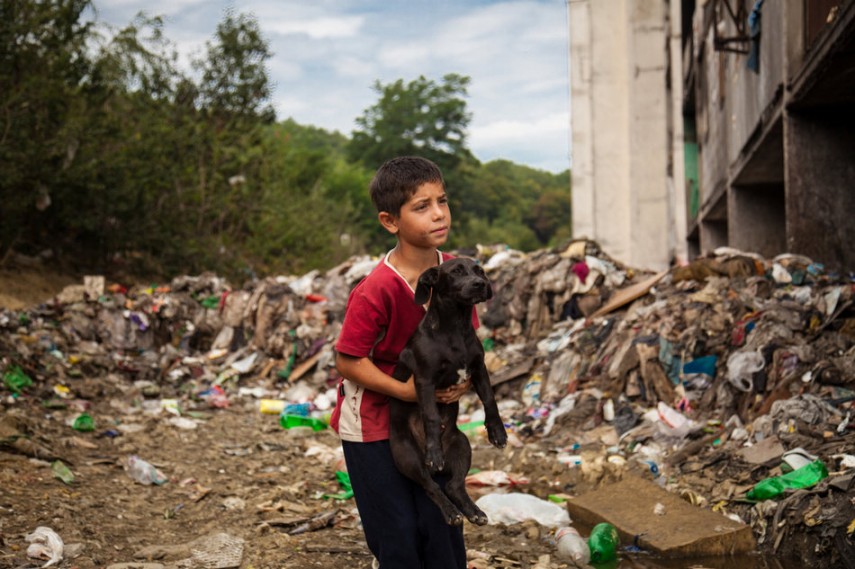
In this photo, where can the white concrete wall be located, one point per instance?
(619, 123)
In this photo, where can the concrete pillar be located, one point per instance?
(581, 128)
(610, 91)
(649, 215)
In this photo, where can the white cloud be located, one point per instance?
(319, 28)
(329, 53)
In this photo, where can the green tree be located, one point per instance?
(43, 61)
(550, 215)
(421, 118)
(234, 75)
(505, 197)
(224, 116)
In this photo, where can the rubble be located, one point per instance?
(702, 380)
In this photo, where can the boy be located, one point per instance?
(404, 529)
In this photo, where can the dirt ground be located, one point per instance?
(21, 287)
(237, 473)
(236, 476)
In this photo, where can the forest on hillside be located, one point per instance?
(115, 158)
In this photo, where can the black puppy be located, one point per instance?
(444, 350)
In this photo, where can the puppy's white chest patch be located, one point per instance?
(462, 375)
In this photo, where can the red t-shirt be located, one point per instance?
(380, 317)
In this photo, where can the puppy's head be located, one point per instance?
(461, 280)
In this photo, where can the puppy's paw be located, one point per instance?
(497, 435)
(434, 460)
(455, 519)
(479, 518)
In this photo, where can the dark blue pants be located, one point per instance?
(403, 528)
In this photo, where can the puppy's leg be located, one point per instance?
(426, 393)
(459, 459)
(492, 420)
(407, 457)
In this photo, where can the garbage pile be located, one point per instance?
(728, 381)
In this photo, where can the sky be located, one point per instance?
(327, 55)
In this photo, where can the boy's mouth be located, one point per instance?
(442, 229)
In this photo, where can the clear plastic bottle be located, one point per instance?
(572, 546)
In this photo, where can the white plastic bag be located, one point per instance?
(514, 508)
(741, 367)
(45, 544)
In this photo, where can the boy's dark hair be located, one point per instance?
(398, 179)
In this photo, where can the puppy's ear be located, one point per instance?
(425, 284)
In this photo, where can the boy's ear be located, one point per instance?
(425, 284)
(389, 222)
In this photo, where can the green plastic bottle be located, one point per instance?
(603, 543)
(84, 423)
(804, 477)
(288, 421)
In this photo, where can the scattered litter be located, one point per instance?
(45, 544)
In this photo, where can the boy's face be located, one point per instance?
(424, 220)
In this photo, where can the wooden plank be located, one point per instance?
(513, 372)
(304, 366)
(628, 294)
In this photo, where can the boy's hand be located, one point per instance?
(453, 393)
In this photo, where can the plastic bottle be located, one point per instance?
(302, 409)
(144, 472)
(84, 423)
(609, 410)
(803, 477)
(288, 421)
(603, 542)
(271, 406)
(572, 546)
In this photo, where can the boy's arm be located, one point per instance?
(362, 371)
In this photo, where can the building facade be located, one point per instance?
(745, 130)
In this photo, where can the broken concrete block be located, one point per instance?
(681, 530)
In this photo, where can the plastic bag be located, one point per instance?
(45, 544)
(144, 472)
(741, 367)
(514, 508)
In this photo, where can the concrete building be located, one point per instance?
(699, 124)
(619, 112)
